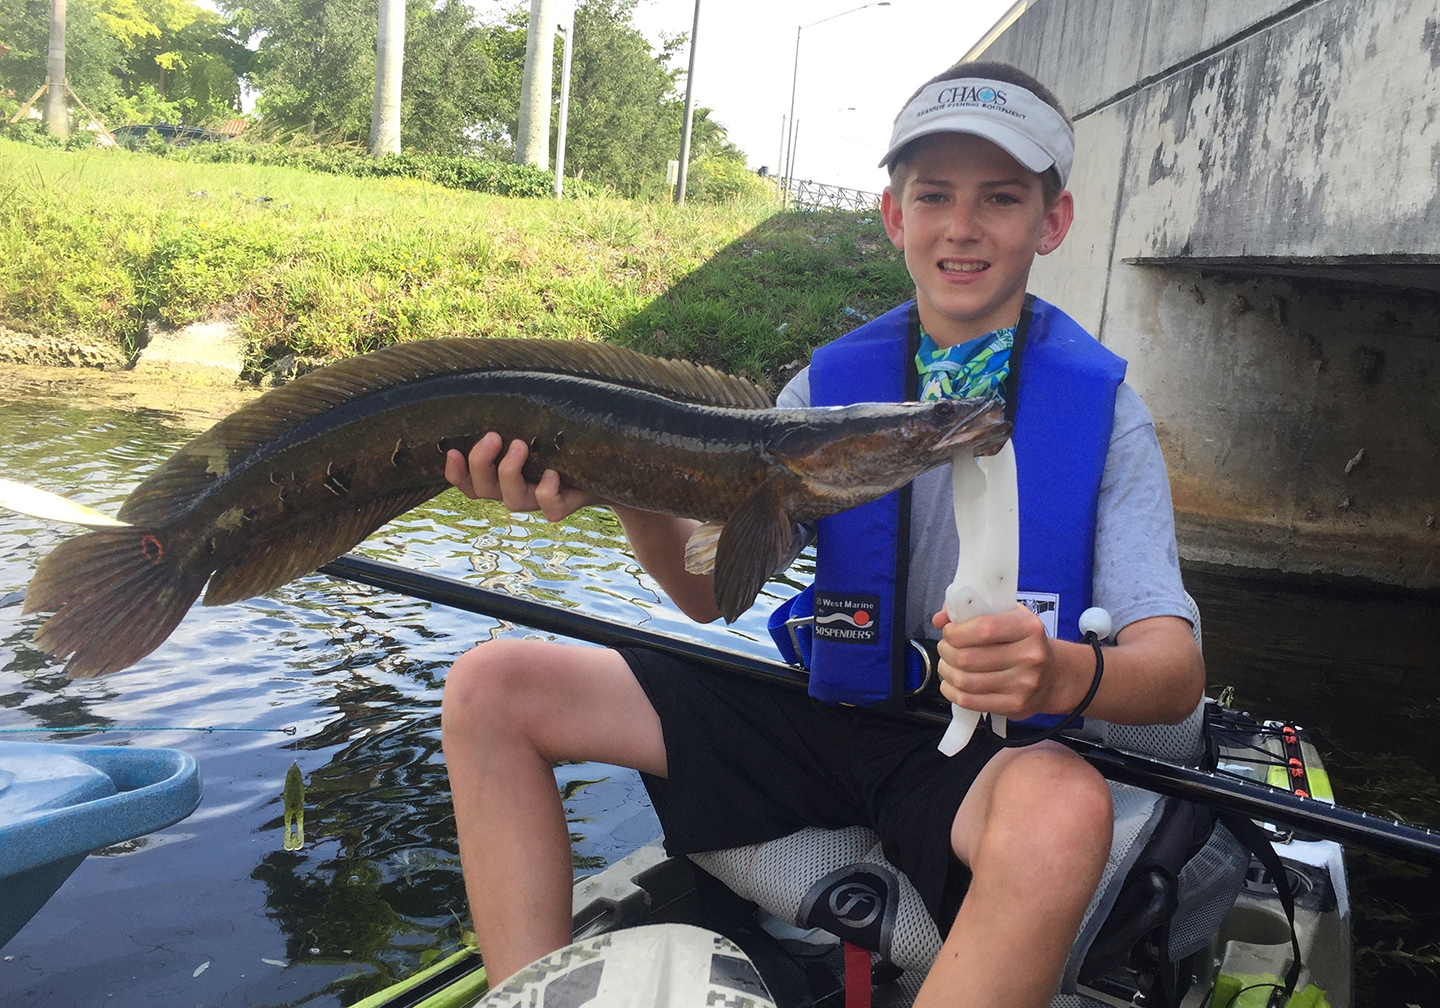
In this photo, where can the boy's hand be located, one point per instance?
(486, 475)
(1002, 664)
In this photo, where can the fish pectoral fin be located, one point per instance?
(700, 550)
(756, 543)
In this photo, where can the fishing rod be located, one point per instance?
(1225, 794)
(1252, 799)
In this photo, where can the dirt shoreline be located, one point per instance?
(59, 351)
(196, 403)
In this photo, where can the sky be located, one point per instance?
(854, 70)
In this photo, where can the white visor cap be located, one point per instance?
(1008, 115)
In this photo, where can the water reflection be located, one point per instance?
(359, 673)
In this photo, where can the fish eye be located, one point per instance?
(945, 410)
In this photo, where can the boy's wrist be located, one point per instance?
(1073, 666)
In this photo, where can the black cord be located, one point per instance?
(1272, 761)
(1070, 718)
(1234, 997)
(1235, 743)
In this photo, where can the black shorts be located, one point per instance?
(749, 763)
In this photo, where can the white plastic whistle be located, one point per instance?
(987, 520)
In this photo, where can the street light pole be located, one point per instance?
(689, 112)
(790, 143)
(789, 166)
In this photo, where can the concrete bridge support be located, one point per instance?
(1257, 187)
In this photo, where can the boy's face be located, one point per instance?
(970, 220)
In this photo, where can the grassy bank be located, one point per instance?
(323, 266)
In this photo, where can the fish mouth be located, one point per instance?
(983, 428)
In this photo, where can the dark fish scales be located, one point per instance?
(300, 475)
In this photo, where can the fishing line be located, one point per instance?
(289, 730)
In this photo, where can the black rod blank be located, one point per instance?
(1225, 794)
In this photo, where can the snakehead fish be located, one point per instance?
(301, 474)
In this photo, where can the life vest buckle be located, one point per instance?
(791, 625)
(926, 665)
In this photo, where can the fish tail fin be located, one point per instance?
(119, 593)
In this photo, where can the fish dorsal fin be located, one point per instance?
(174, 486)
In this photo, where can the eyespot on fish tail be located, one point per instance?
(116, 593)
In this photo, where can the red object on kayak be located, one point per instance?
(857, 977)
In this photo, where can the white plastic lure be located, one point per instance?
(987, 519)
(36, 503)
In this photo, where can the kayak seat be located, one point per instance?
(1172, 875)
(838, 880)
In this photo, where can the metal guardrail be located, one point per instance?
(804, 194)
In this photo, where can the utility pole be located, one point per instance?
(57, 116)
(780, 158)
(689, 111)
(568, 31)
(389, 68)
(532, 143)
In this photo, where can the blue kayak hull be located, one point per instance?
(60, 802)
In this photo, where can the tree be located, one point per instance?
(624, 109)
(389, 68)
(182, 61)
(130, 60)
(92, 53)
(315, 68)
(446, 67)
(503, 44)
(314, 63)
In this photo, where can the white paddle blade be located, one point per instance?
(962, 727)
(36, 503)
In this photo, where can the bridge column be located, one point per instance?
(1258, 232)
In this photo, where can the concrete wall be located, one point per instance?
(1258, 231)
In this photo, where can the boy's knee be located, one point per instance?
(489, 682)
(1068, 792)
(1048, 797)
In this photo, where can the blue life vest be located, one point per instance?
(1060, 394)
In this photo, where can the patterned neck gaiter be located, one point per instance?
(976, 368)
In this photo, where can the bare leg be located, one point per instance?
(1035, 831)
(511, 709)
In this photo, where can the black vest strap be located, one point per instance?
(899, 641)
(1010, 389)
(1245, 830)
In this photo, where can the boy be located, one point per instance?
(1006, 846)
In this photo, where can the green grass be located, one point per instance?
(102, 242)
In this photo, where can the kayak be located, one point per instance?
(1241, 965)
(60, 802)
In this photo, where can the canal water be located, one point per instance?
(214, 912)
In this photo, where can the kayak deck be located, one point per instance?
(1238, 968)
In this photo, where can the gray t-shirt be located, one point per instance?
(1137, 570)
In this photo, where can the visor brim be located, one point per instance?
(1024, 150)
